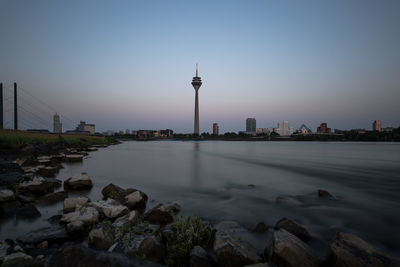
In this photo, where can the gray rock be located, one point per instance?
(261, 227)
(47, 171)
(135, 200)
(74, 157)
(88, 215)
(76, 227)
(325, 194)
(6, 195)
(294, 228)
(71, 203)
(349, 250)
(50, 234)
(132, 218)
(159, 215)
(285, 249)
(36, 186)
(230, 248)
(200, 258)
(53, 197)
(17, 259)
(78, 255)
(110, 208)
(78, 182)
(146, 246)
(5, 249)
(101, 238)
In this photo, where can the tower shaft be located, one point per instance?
(196, 114)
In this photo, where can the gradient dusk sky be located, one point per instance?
(128, 64)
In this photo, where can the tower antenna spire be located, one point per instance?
(197, 70)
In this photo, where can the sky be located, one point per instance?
(129, 64)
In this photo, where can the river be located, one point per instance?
(220, 180)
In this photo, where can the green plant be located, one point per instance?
(190, 231)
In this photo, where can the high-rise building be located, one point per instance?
(377, 126)
(251, 125)
(284, 129)
(323, 129)
(196, 83)
(215, 128)
(57, 126)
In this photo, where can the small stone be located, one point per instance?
(88, 215)
(18, 248)
(78, 182)
(75, 227)
(43, 245)
(261, 227)
(110, 208)
(47, 171)
(17, 259)
(71, 203)
(74, 158)
(294, 228)
(200, 258)
(6, 195)
(158, 215)
(325, 194)
(54, 197)
(100, 238)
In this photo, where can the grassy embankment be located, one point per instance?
(15, 139)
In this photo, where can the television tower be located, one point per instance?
(196, 82)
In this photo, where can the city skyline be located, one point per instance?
(305, 63)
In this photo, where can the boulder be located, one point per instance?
(230, 248)
(88, 215)
(78, 255)
(350, 250)
(78, 182)
(261, 227)
(159, 215)
(135, 200)
(71, 203)
(55, 233)
(47, 171)
(43, 245)
(325, 194)
(28, 211)
(6, 195)
(285, 249)
(294, 228)
(146, 246)
(200, 258)
(36, 186)
(101, 238)
(132, 218)
(76, 227)
(74, 158)
(17, 259)
(5, 249)
(110, 208)
(54, 197)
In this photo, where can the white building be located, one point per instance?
(83, 127)
(57, 126)
(284, 129)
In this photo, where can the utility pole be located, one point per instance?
(15, 108)
(1, 106)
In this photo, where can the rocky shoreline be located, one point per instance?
(119, 229)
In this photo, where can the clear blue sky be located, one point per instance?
(129, 64)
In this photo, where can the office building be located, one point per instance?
(251, 125)
(284, 129)
(57, 126)
(377, 126)
(215, 128)
(323, 129)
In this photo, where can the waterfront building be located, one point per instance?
(323, 129)
(262, 131)
(84, 127)
(387, 129)
(57, 126)
(166, 133)
(251, 125)
(377, 126)
(304, 129)
(215, 128)
(284, 129)
(196, 83)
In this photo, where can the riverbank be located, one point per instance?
(146, 234)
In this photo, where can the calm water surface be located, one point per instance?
(212, 179)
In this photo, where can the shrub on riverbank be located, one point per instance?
(17, 139)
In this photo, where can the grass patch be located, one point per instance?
(16, 139)
(190, 232)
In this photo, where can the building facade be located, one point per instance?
(262, 131)
(284, 129)
(57, 126)
(215, 128)
(377, 126)
(251, 125)
(323, 129)
(84, 127)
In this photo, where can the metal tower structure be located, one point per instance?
(196, 83)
